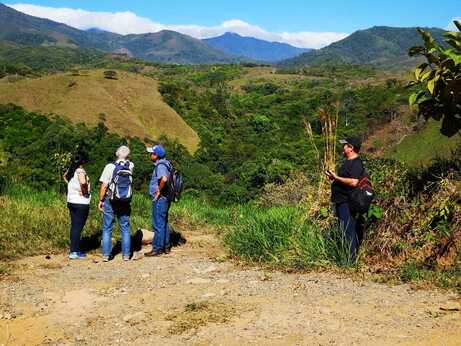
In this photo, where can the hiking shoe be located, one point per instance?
(105, 258)
(153, 253)
(73, 255)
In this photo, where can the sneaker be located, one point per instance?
(105, 258)
(73, 255)
(81, 255)
(126, 258)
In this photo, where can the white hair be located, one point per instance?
(122, 152)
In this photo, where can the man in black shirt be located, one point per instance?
(344, 182)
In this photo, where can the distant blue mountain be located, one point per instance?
(253, 48)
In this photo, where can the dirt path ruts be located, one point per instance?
(191, 297)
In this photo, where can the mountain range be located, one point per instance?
(380, 45)
(163, 46)
(253, 48)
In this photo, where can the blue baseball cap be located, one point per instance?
(157, 150)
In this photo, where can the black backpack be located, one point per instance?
(174, 185)
(361, 196)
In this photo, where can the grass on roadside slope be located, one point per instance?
(38, 222)
(282, 236)
(35, 223)
(421, 148)
(131, 105)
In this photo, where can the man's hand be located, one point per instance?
(331, 175)
(102, 194)
(157, 196)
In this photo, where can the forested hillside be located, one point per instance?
(380, 46)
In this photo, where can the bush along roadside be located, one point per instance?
(413, 227)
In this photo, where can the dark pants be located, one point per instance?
(78, 216)
(160, 209)
(351, 226)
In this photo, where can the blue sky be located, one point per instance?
(287, 20)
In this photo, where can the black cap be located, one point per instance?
(354, 141)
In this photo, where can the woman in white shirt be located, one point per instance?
(78, 202)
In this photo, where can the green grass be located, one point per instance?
(414, 273)
(281, 236)
(422, 148)
(38, 222)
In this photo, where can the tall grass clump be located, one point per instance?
(32, 222)
(38, 222)
(281, 236)
(263, 237)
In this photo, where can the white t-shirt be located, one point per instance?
(74, 190)
(108, 172)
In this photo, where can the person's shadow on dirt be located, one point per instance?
(93, 242)
(176, 239)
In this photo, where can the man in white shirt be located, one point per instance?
(114, 202)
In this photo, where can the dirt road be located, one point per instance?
(194, 296)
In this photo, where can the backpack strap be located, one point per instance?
(168, 167)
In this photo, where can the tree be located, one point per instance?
(438, 80)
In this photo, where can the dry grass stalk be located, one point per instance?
(321, 197)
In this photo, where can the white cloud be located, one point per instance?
(130, 23)
(451, 26)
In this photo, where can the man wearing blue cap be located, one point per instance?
(158, 191)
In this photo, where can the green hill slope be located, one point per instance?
(379, 45)
(421, 148)
(130, 105)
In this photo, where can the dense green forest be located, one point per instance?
(255, 136)
(251, 135)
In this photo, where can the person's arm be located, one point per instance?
(64, 177)
(354, 171)
(102, 194)
(161, 184)
(83, 183)
(105, 179)
(346, 181)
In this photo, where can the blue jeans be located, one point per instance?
(349, 228)
(122, 212)
(160, 224)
